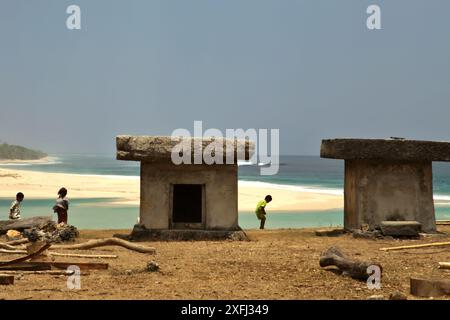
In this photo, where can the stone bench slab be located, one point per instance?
(401, 228)
(385, 149)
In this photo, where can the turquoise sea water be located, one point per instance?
(295, 172)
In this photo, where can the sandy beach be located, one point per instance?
(125, 190)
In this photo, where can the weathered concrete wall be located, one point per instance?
(220, 193)
(385, 190)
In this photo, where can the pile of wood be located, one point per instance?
(34, 254)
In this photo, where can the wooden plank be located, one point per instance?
(58, 265)
(429, 287)
(6, 279)
(26, 267)
(416, 246)
(106, 242)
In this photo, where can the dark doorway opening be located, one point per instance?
(187, 203)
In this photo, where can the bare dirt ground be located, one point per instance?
(275, 264)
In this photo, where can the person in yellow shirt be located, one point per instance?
(261, 210)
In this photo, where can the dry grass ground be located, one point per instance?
(275, 264)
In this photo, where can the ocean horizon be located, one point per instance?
(297, 173)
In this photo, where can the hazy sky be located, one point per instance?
(308, 67)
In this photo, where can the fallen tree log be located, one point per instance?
(429, 287)
(416, 246)
(354, 268)
(72, 255)
(106, 242)
(87, 256)
(6, 279)
(22, 224)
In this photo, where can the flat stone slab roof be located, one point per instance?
(385, 149)
(159, 148)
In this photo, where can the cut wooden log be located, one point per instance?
(354, 268)
(443, 222)
(6, 279)
(22, 224)
(429, 287)
(106, 242)
(444, 265)
(47, 265)
(416, 246)
(401, 228)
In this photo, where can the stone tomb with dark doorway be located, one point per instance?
(184, 201)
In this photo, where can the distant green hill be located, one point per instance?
(11, 152)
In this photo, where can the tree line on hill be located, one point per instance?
(13, 152)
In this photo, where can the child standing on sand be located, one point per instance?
(62, 206)
(261, 211)
(14, 210)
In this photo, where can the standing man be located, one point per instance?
(261, 210)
